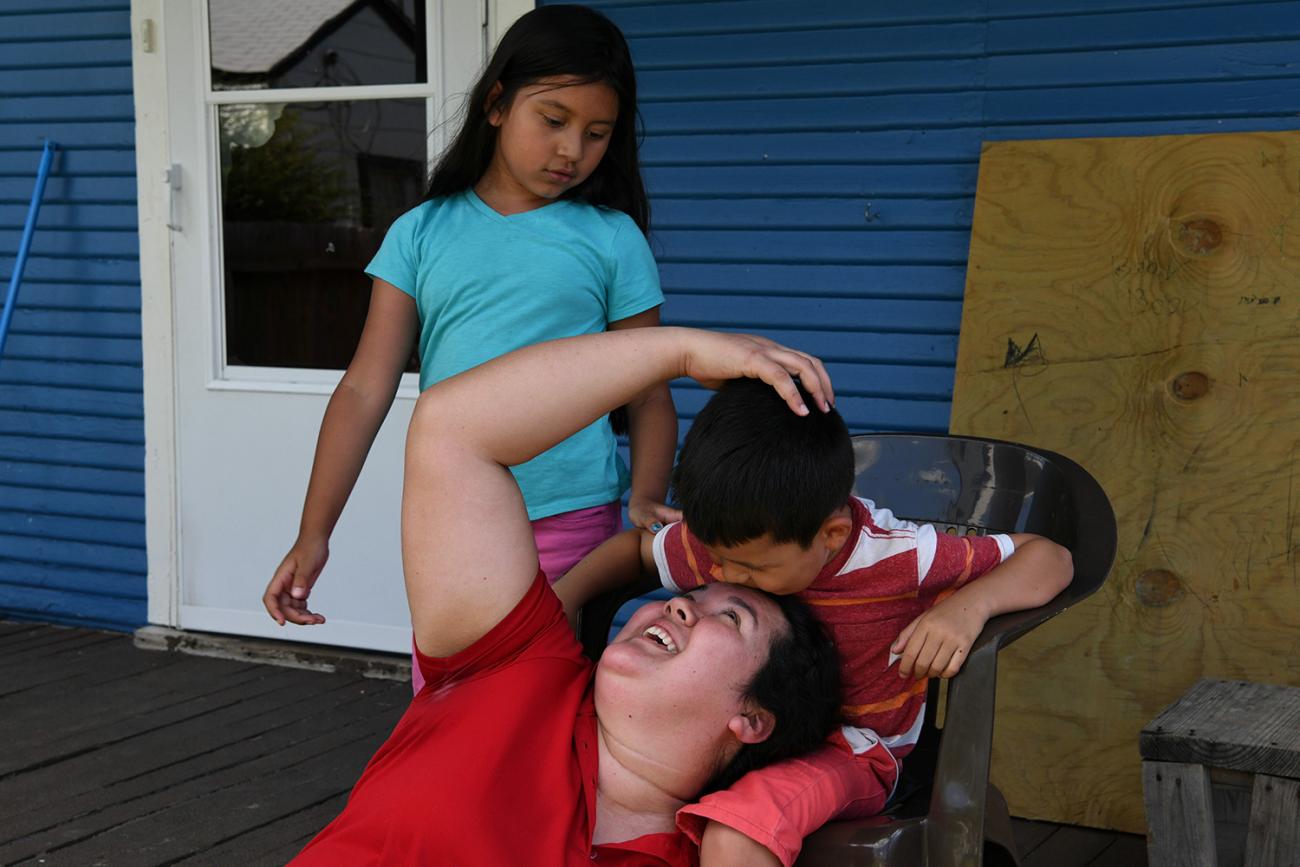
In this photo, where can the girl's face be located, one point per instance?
(549, 139)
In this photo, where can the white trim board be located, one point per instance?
(157, 330)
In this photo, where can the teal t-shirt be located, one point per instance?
(485, 284)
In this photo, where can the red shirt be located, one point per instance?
(888, 573)
(494, 762)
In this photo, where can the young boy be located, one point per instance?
(766, 498)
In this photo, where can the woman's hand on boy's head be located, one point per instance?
(286, 595)
(937, 643)
(712, 358)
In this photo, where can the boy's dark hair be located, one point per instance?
(750, 466)
(552, 42)
(800, 685)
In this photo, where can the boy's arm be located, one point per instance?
(936, 643)
(724, 846)
(616, 562)
(467, 547)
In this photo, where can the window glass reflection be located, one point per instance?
(259, 44)
(307, 192)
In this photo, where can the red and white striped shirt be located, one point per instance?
(891, 571)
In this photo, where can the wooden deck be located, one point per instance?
(114, 755)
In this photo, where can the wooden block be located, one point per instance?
(1179, 816)
(1239, 726)
(1134, 304)
(1274, 839)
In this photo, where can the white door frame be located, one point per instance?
(157, 325)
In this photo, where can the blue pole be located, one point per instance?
(47, 158)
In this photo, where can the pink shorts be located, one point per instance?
(562, 540)
(781, 804)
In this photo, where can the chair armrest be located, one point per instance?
(1092, 549)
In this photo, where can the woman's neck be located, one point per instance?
(636, 794)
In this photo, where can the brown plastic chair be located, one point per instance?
(945, 812)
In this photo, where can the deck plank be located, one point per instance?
(1127, 850)
(38, 642)
(1070, 846)
(15, 631)
(1029, 835)
(272, 844)
(12, 627)
(79, 781)
(67, 667)
(184, 828)
(51, 724)
(263, 750)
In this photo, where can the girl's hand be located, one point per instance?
(712, 358)
(286, 596)
(649, 514)
(937, 643)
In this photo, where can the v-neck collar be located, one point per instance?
(521, 217)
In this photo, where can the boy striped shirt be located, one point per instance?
(888, 573)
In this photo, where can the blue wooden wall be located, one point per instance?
(812, 166)
(72, 545)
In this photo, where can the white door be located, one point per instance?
(298, 130)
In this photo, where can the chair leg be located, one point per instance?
(999, 839)
(954, 827)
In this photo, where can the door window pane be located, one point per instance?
(259, 44)
(307, 192)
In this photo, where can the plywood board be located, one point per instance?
(1135, 304)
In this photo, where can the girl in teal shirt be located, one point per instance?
(533, 228)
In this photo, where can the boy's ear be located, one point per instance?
(490, 106)
(835, 531)
(752, 726)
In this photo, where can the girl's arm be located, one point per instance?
(467, 546)
(652, 433)
(353, 417)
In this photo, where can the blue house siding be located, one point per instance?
(72, 542)
(812, 165)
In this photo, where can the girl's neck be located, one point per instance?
(505, 197)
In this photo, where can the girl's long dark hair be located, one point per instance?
(571, 42)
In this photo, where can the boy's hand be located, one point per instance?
(651, 515)
(936, 643)
(286, 595)
(712, 357)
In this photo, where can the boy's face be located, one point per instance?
(780, 567)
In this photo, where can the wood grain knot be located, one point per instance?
(1157, 588)
(1190, 385)
(1200, 236)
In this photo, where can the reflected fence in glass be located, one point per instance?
(307, 192)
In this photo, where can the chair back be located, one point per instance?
(974, 486)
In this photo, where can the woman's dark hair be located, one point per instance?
(799, 685)
(571, 42)
(750, 466)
